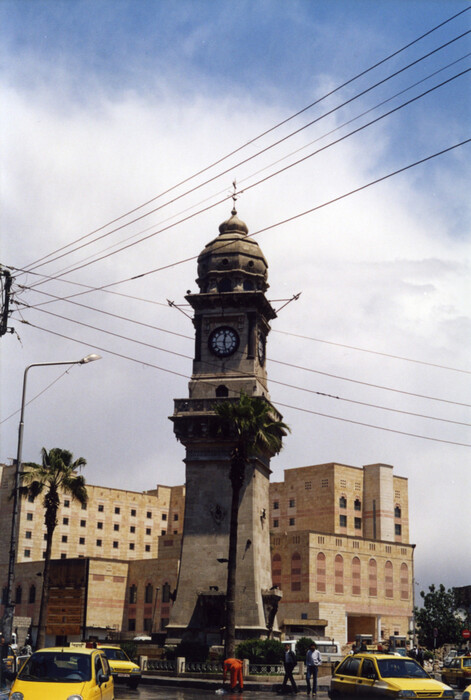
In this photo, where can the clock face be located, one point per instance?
(261, 348)
(223, 341)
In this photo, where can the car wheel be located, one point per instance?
(134, 683)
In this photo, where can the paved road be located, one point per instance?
(152, 692)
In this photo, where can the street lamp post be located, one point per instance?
(7, 622)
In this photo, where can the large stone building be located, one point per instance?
(331, 541)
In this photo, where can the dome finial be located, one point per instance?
(234, 197)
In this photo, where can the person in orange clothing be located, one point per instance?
(234, 667)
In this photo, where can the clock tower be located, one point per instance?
(231, 320)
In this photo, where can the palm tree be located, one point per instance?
(256, 431)
(56, 475)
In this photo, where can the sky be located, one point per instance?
(110, 105)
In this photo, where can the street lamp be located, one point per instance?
(7, 622)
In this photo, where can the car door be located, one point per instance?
(107, 688)
(365, 684)
(344, 680)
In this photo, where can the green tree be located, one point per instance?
(256, 430)
(302, 646)
(56, 475)
(438, 613)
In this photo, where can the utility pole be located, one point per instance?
(6, 287)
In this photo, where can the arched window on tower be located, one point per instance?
(372, 578)
(276, 570)
(388, 580)
(320, 573)
(148, 593)
(32, 594)
(404, 582)
(356, 576)
(338, 573)
(133, 594)
(222, 391)
(225, 285)
(296, 572)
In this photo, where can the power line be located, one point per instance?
(253, 140)
(179, 374)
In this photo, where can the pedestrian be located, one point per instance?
(289, 662)
(313, 661)
(419, 656)
(234, 667)
(3, 659)
(363, 645)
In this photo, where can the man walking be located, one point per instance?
(289, 662)
(313, 661)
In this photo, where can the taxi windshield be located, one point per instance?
(56, 667)
(400, 668)
(115, 655)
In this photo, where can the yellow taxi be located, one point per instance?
(458, 671)
(367, 676)
(466, 693)
(123, 669)
(64, 673)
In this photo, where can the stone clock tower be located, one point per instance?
(231, 320)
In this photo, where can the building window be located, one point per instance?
(388, 580)
(164, 516)
(81, 540)
(292, 502)
(175, 516)
(276, 570)
(342, 502)
(64, 538)
(132, 529)
(131, 545)
(149, 514)
(292, 521)
(356, 576)
(83, 523)
(147, 547)
(324, 483)
(222, 391)
(276, 523)
(66, 503)
(115, 544)
(19, 594)
(320, 573)
(116, 527)
(338, 574)
(357, 504)
(63, 555)
(276, 505)
(148, 593)
(404, 582)
(148, 531)
(65, 521)
(308, 485)
(397, 529)
(372, 578)
(343, 521)
(45, 536)
(98, 543)
(133, 512)
(27, 553)
(99, 526)
(32, 594)
(133, 594)
(131, 625)
(296, 564)
(29, 516)
(28, 534)
(163, 532)
(101, 508)
(30, 499)
(84, 506)
(357, 522)
(397, 512)
(117, 510)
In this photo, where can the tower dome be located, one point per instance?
(232, 261)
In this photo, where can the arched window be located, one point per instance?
(356, 576)
(19, 594)
(276, 570)
(225, 285)
(32, 594)
(296, 572)
(372, 578)
(148, 593)
(404, 582)
(338, 573)
(357, 504)
(397, 512)
(388, 580)
(133, 594)
(320, 573)
(222, 391)
(342, 502)
(166, 592)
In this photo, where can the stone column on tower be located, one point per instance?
(231, 320)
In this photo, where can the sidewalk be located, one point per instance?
(323, 683)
